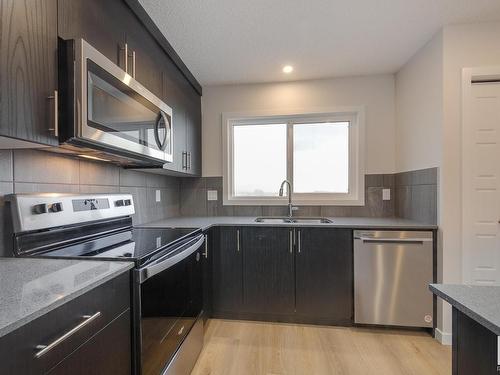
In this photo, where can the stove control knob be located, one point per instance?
(56, 207)
(128, 202)
(40, 209)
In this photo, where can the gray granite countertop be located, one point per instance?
(29, 288)
(481, 303)
(339, 222)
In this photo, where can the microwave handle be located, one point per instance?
(161, 142)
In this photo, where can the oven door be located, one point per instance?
(115, 111)
(170, 303)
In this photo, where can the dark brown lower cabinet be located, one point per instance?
(103, 343)
(227, 269)
(324, 275)
(474, 347)
(299, 274)
(268, 270)
(108, 352)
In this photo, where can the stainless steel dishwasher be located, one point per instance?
(392, 273)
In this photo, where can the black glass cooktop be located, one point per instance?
(139, 244)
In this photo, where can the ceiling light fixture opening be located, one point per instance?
(287, 69)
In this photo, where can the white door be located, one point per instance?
(481, 179)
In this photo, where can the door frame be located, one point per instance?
(469, 75)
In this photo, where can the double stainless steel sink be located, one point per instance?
(295, 220)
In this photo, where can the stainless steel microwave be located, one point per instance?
(104, 113)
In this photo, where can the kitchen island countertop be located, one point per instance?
(479, 302)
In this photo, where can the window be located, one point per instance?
(259, 159)
(320, 154)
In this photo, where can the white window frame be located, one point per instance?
(356, 118)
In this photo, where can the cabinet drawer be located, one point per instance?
(108, 352)
(18, 350)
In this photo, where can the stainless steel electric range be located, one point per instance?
(167, 278)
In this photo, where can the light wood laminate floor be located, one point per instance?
(254, 348)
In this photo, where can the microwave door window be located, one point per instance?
(118, 111)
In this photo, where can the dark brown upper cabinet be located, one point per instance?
(115, 30)
(28, 70)
(119, 29)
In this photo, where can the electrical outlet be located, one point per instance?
(211, 195)
(386, 194)
(158, 195)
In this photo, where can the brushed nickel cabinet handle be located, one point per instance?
(291, 242)
(298, 241)
(183, 160)
(126, 57)
(238, 240)
(133, 64)
(55, 98)
(43, 349)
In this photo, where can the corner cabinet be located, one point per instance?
(28, 70)
(287, 274)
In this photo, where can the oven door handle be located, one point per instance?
(162, 264)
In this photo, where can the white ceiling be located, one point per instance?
(230, 41)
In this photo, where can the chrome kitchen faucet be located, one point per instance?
(291, 207)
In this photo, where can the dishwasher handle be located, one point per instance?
(393, 240)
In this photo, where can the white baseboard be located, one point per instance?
(443, 337)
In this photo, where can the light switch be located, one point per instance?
(386, 194)
(211, 195)
(158, 195)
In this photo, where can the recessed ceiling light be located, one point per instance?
(287, 69)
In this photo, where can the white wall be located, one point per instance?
(469, 45)
(428, 130)
(376, 93)
(419, 108)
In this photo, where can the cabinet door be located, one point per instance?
(173, 95)
(193, 126)
(108, 352)
(145, 56)
(324, 275)
(100, 23)
(268, 270)
(28, 69)
(227, 272)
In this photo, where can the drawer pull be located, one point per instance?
(43, 349)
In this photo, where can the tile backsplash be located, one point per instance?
(194, 201)
(413, 196)
(33, 171)
(414, 193)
